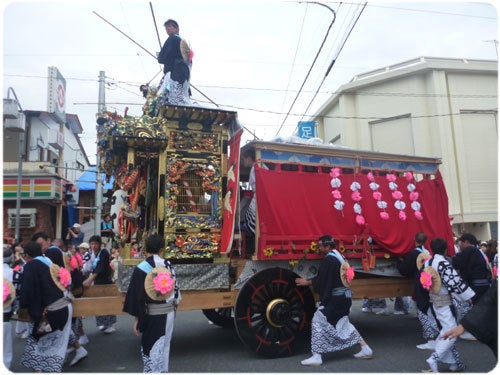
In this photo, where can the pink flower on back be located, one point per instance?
(402, 215)
(64, 277)
(377, 195)
(6, 291)
(426, 280)
(163, 282)
(370, 177)
(418, 215)
(350, 274)
(414, 196)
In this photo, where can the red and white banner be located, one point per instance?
(229, 200)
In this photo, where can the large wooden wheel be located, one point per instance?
(272, 312)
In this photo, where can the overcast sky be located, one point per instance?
(251, 56)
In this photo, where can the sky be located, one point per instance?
(253, 57)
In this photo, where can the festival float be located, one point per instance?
(177, 173)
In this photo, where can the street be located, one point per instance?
(198, 346)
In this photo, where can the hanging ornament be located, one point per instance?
(377, 195)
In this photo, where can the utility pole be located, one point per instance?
(101, 106)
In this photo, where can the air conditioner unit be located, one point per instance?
(56, 139)
(27, 218)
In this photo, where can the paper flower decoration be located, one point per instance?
(336, 194)
(356, 197)
(350, 274)
(415, 205)
(335, 183)
(426, 280)
(377, 195)
(163, 283)
(64, 277)
(75, 261)
(6, 291)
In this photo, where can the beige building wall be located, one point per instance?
(445, 108)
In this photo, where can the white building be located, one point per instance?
(436, 107)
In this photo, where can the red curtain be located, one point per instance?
(301, 203)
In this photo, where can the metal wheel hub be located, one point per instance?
(278, 312)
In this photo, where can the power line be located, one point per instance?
(335, 58)
(314, 61)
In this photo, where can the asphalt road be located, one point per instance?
(198, 346)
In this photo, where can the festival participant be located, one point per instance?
(176, 67)
(331, 328)
(44, 293)
(472, 265)
(77, 337)
(410, 267)
(101, 275)
(152, 297)
(53, 252)
(439, 277)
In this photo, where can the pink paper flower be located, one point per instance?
(336, 194)
(418, 215)
(335, 172)
(350, 274)
(360, 219)
(6, 292)
(390, 177)
(414, 196)
(163, 282)
(64, 277)
(426, 280)
(356, 196)
(402, 215)
(370, 177)
(408, 176)
(377, 195)
(384, 215)
(397, 195)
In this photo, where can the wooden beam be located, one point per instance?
(381, 287)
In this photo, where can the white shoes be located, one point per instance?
(315, 360)
(429, 345)
(83, 340)
(366, 310)
(365, 353)
(383, 311)
(399, 312)
(80, 354)
(110, 329)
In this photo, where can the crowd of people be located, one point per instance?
(46, 275)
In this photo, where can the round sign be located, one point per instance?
(60, 95)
